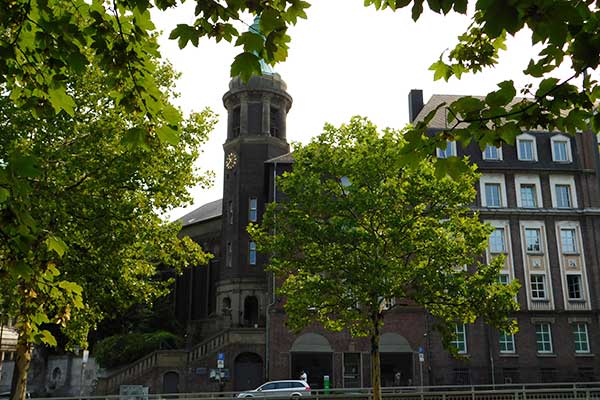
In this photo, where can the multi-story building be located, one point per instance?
(541, 195)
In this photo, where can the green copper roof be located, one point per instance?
(265, 68)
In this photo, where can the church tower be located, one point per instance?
(256, 132)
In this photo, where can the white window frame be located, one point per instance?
(502, 280)
(567, 141)
(563, 180)
(460, 338)
(507, 340)
(507, 268)
(575, 239)
(544, 286)
(533, 180)
(577, 334)
(498, 152)
(539, 332)
(528, 137)
(503, 230)
(540, 238)
(450, 147)
(493, 179)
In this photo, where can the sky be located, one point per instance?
(344, 60)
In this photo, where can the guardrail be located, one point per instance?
(557, 391)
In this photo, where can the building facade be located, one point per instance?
(541, 195)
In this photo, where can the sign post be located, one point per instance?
(421, 361)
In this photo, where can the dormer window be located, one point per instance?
(526, 147)
(561, 149)
(492, 153)
(448, 151)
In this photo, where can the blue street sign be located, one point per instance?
(421, 349)
(221, 356)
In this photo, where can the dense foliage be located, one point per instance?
(91, 187)
(121, 350)
(358, 227)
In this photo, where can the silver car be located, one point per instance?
(291, 388)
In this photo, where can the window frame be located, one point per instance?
(502, 235)
(493, 179)
(577, 335)
(562, 180)
(503, 341)
(539, 338)
(525, 180)
(535, 291)
(525, 137)
(252, 252)
(580, 287)
(561, 139)
(252, 209)
(498, 153)
(540, 245)
(443, 153)
(575, 240)
(460, 339)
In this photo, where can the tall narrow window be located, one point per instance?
(275, 122)
(533, 240)
(563, 196)
(492, 195)
(252, 209)
(538, 286)
(568, 241)
(497, 241)
(526, 149)
(252, 253)
(574, 289)
(561, 149)
(229, 260)
(230, 211)
(580, 335)
(460, 338)
(235, 125)
(528, 196)
(543, 338)
(507, 342)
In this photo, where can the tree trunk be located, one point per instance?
(375, 358)
(19, 379)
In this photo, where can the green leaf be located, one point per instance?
(166, 134)
(503, 96)
(4, 194)
(56, 244)
(245, 65)
(48, 338)
(70, 287)
(60, 100)
(24, 165)
(440, 70)
(136, 136)
(417, 9)
(252, 42)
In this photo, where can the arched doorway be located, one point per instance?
(396, 360)
(247, 371)
(312, 354)
(250, 311)
(171, 382)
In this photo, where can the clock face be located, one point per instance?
(231, 160)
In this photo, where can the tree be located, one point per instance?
(93, 185)
(358, 227)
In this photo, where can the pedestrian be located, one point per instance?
(397, 378)
(303, 376)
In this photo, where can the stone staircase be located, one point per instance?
(136, 372)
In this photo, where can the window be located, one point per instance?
(460, 338)
(386, 304)
(492, 153)
(448, 151)
(492, 195)
(497, 241)
(580, 335)
(504, 279)
(507, 342)
(543, 338)
(563, 196)
(532, 240)
(526, 148)
(574, 289)
(528, 196)
(561, 149)
(252, 253)
(538, 287)
(230, 211)
(252, 209)
(229, 260)
(568, 241)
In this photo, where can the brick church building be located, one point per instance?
(541, 195)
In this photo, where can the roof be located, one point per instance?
(440, 118)
(207, 211)
(284, 159)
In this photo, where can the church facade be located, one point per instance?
(542, 197)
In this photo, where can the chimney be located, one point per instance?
(415, 103)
